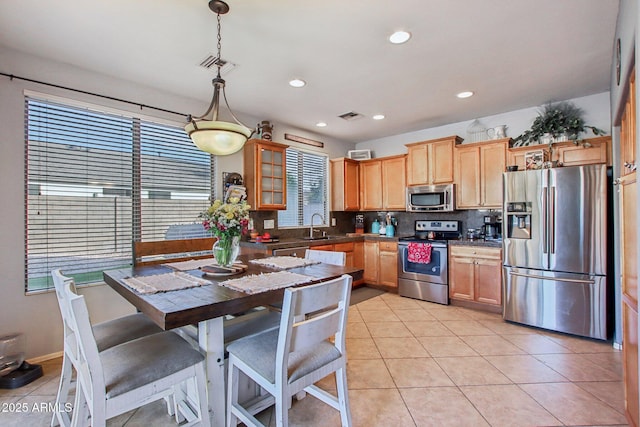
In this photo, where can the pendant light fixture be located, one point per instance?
(206, 131)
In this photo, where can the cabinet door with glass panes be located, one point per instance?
(264, 166)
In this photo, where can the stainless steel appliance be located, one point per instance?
(430, 198)
(554, 229)
(430, 281)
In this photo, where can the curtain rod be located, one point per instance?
(26, 79)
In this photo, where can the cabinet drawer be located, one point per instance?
(475, 252)
(388, 246)
(343, 247)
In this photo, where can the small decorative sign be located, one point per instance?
(302, 140)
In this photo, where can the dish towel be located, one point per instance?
(419, 253)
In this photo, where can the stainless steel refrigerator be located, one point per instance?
(554, 241)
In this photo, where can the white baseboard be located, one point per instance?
(46, 357)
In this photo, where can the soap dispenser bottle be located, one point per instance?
(375, 226)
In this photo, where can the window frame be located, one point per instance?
(300, 195)
(210, 184)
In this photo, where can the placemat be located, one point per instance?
(164, 282)
(284, 262)
(257, 283)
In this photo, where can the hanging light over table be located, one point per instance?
(206, 131)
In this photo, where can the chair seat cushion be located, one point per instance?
(259, 352)
(117, 331)
(150, 358)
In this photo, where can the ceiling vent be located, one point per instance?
(351, 115)
(211, 62)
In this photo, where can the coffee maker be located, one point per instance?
(492, 228)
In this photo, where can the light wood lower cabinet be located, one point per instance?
(381, 263)
(475, 274)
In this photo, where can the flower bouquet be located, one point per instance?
(227, 221)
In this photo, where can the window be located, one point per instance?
(96, 181)
(307, 189)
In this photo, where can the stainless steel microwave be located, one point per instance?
(430, 198)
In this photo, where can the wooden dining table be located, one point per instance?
(206, 306)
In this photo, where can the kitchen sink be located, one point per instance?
(316, 238)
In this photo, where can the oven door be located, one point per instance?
(434, 272)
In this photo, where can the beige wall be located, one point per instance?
(37, 316)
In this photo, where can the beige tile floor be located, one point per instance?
(413, 363)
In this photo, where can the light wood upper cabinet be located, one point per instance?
(431, 162)
(345, 184)
(592, 151)
(382, 183)
(265, 174)
(394, 183)
(371, 185)
(478, 174)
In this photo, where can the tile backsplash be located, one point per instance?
(345, 221)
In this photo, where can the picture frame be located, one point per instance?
(534, 159)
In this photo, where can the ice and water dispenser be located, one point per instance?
(519, 220)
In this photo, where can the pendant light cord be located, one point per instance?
(219, 45)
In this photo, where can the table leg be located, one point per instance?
(211, 340)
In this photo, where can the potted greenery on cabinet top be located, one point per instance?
(560, 121)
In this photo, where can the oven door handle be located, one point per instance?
(433, 245)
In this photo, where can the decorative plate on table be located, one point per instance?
(216, 270)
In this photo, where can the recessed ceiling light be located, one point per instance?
(399, 37)
(378, 117)
(297, 83)
(465, 94)
(321, 124)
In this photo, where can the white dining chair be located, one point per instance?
(295, 356)
(327, 257)
(107, 334)
(131, 374)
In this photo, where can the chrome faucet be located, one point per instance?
(311, 228)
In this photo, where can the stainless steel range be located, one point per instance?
(428, 281)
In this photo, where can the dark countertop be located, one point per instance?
(331, 240)
(477, 242)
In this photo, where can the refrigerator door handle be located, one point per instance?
(545, 223)
(552, 221)
(555, 279)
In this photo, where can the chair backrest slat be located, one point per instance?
(89, 368)
(322, 309)
(328, 257)
(318, 328)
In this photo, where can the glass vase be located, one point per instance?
(226, 249)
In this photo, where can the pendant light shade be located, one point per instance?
(207, 132)
(219, 138)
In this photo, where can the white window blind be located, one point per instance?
(307, 189)
(97, 181)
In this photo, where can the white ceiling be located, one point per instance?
(512, 53)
